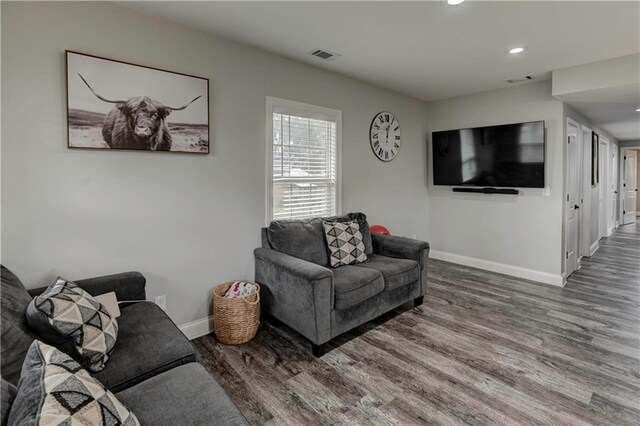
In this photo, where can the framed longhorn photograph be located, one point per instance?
(118, 105)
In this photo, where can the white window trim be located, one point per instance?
(285, 106)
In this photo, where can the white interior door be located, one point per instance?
(585, 224)
(630, 187)
(572, 206)
(602, 188)
(613, 188)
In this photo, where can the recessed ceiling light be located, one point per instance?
(516, 50)
(637, 109)
(454, 2)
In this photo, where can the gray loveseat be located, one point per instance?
(300, 289)
(153, 369)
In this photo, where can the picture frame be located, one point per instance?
(595, 152)
(118, 105)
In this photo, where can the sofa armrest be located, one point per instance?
(304, 270)
(400, 247)
(127, 286)
(297, 292)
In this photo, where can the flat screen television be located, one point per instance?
(509, 156)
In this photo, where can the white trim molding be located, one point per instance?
(594, 248)
(197, 328)
(501, 268)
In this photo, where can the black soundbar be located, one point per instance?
(488, 190)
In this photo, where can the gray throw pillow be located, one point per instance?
(7, 395)
(15, 332)
(365, 230)
(54, 389)
(345, 244)
(65, 315)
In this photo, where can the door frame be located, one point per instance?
(621, 157)
(614, 188)
(603, 186)
(568, 186)
(585, 228)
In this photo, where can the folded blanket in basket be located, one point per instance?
(240, 289)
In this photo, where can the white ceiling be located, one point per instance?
(429, 50)
(613, 109)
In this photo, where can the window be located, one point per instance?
(303, 148)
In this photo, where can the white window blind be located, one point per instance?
(304, 165)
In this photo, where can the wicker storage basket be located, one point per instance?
(235, 320)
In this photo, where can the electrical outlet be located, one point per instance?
(161, 301)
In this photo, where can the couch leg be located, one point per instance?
(418, 301)
(318, 350)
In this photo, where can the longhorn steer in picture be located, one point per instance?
(137, 123)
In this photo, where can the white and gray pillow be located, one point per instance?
(70, 318)
(345, 242)
(55, 390)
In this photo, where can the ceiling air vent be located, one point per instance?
(325, 55)
(520, 79)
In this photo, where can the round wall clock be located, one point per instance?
(384, 136)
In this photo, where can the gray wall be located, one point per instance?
(522, 231)
(187, 222)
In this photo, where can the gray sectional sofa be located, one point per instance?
(300, 289)
(153, 369)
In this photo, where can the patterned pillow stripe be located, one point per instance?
(345, 243)
(56, 390)
(75, 313)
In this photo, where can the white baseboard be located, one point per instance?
(501, 268)
(197, 328)
(594, 247)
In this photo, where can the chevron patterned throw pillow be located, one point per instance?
(346, 245)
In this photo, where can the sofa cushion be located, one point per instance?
(353, 285)
(55, 389)
(396, 272)
(7, 396)
(344, 241)
(190, 387)
(304, 238)
(16, 337)
(67, 315)
(361, 220)
(148, 344)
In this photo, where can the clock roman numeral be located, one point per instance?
(393, 153)
(376, 144)
(375, 136)
(376, 126)
(397, 138)
(386, 117)
(396, 129)
(386, 155)
(396, 146)
(379, 152)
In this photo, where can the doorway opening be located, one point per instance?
(629, 187)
